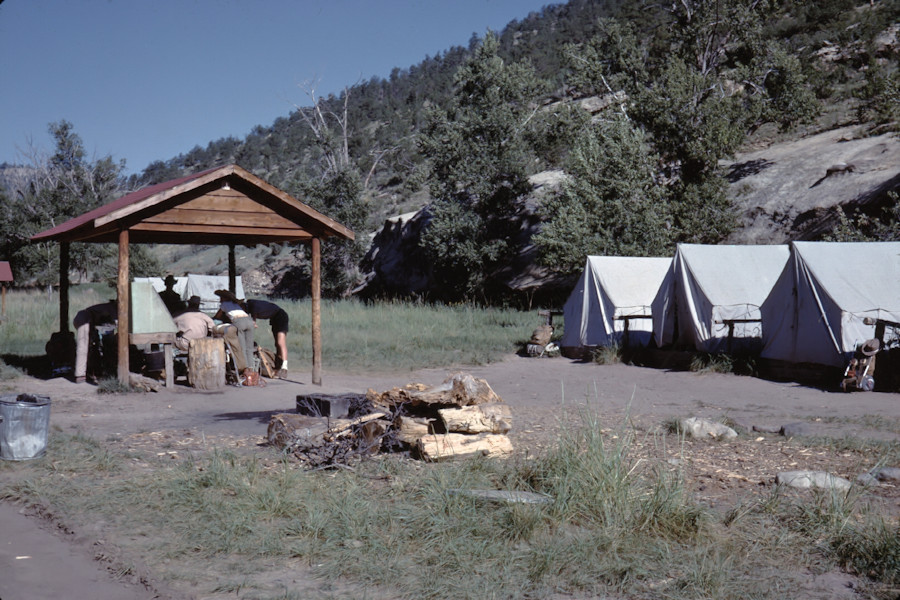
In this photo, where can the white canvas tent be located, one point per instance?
(816, 309)
(612, 294)
(198, 285)
(711, 296)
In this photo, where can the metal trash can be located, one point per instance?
(24, 425)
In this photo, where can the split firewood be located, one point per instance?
(371, 434)
(458, 445)
(341, 427)
(286, 428)
(480, 418)
(410, 429)
(460, 389)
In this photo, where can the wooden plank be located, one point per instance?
(138, 339)
(213, 217)
(213, 239)
(222, 230)
(218, 201)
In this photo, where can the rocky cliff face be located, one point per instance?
(788, 191)
(792, 191)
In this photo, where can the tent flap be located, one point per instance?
(612, 291)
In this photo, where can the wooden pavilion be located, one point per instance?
(221, 206)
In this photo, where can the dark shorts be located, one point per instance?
(279, 322)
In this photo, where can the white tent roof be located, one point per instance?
(610, 288)
(198, 285)
(711, 289)
(816, 309)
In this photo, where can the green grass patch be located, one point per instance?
(396, 336)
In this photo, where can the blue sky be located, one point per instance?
(146, 80)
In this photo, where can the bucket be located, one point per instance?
(24, 426)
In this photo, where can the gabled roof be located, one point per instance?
(223, 205)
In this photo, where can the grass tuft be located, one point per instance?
(608, 355)
(111, 385)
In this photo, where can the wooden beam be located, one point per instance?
(232, 270)
(234, 218)
(237, 230)
(212, 239)
(64, 286)
(124, 302)
(221, 201)
(316, 310)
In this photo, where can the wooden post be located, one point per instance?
(232, 270)
(316, 310)
(123, 294)
(64, 286)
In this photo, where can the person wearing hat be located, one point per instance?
(231, 311)
(170, 297)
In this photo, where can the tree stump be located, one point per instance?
(286, 428)
(206, 363)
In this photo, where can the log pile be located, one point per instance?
(461, 417)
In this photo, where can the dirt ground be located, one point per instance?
(40, 559)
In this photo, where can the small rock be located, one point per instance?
(889, 474)
(699, 427)
(811, 479)
(767, 428)
(798, 429)
(867, 480)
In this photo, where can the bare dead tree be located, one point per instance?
(321, 121)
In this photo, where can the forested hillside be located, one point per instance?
(636, 102)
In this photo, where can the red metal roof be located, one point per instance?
(141, 213)
(122, 202)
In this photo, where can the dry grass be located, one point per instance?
(627, 519)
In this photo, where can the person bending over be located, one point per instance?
(278, 320)
(231, 311)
